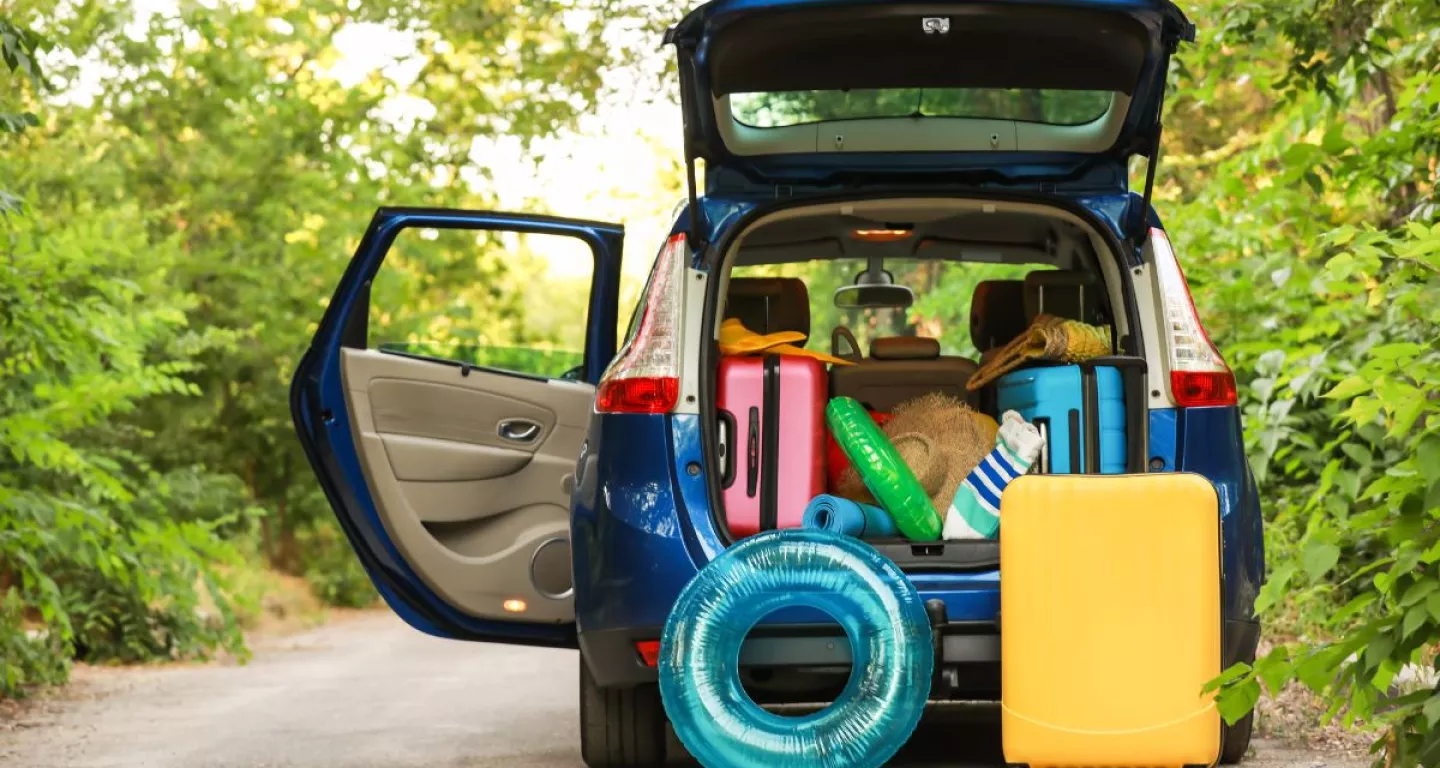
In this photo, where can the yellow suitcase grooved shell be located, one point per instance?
(1110, 611)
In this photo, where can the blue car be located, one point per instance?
(497, 500)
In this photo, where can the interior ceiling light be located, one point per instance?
(882, 235)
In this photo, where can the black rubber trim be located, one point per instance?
(969, 555)
(770, 445)
(357, 325)
(1125, 254)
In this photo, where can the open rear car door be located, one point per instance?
(451, 478)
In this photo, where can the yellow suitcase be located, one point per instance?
(1110, 620)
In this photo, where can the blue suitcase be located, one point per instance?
(1081, 411)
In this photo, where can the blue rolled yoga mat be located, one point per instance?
(850, 518)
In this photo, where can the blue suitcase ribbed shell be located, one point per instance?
(1055, 398)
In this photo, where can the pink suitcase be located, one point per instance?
(772, 417)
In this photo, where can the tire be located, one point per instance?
(1235, 740)
(620, 727)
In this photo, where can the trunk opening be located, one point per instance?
(980, 267)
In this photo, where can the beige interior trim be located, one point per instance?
(927, 134)
(467, 508)
(430, 460)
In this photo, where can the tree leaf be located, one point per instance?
(1319, 558)
(1349, 387)
(1274, 669)
(1427, 456)
(1418, 591)
(1237, 701)
(1415, 618)
(1230, 675)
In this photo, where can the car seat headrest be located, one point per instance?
(768, 305)
(1063, 293)
(905, 348)
(997, 313)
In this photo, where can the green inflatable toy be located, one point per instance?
(882, 470)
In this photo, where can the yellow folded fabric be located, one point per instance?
(736, 339)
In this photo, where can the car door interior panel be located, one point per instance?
(427, 459)
(470, 470)
(452, 411)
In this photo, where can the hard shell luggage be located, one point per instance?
(1081, 410)
(1111, 621)
(772, 424)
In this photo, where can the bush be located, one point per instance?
(1305, 203)
(28, 657)
(89, 329)
(332, 569)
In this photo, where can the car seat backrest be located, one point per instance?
(769, 304)
(901, 368)
(1063, 293)
(904, 348)
(997, 313)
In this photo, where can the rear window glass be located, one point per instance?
(1055, 107)
(943, 290)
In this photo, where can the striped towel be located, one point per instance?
(975, 512)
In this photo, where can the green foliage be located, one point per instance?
(194, 182)
(18, 49)
(1300, 182)
(332, 570)
(1033, 105)
(27, 657)
(86, 542)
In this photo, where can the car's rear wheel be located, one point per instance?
(620, 727)
(1235, 740)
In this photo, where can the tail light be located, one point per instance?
(649, 651)
(645, 377)
(1198, 374)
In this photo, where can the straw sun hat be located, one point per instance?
(940, 438)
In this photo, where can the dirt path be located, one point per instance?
(364, 692)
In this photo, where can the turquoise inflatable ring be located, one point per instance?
(869, 597)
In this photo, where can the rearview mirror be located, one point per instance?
(874, 297)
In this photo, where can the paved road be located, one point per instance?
(360, 693)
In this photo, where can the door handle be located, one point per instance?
(519, 430)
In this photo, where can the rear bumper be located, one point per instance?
(806, 659)
(801, 662)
